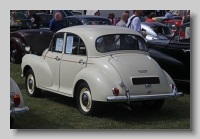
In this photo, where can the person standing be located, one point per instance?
(34, 20)
(128, 12)
(149, 16)
(111, 17)
(134, 21)
(97, 13)
(168, 15)
(186, 17)
(56, 23)
(123, 21)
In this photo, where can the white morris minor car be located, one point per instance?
(16, 101)
(98, 63)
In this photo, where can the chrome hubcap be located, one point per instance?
(30, 83)
(14, 53)
(85, 99)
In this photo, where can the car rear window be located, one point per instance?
(117, 42)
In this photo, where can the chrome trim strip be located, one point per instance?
(128, 98)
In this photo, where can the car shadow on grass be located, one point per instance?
(59, 98)
(171, 110)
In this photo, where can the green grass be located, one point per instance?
(53, 111)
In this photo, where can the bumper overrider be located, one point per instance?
(127, 97)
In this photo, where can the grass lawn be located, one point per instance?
(53, 111)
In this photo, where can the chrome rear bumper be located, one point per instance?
(16, 110)
(129, 98)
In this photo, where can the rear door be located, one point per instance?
(74, 59)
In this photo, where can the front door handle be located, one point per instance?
(57, 58)
(186, 50)
(81, 62)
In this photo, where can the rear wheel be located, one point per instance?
(30, 83)
(84, 100)
(14, 56)
(153, 104)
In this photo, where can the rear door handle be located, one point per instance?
(186, 50)
(81, 62)
(57, 58)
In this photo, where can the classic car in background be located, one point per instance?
(35, 41)
(156, 30)
(46, 18)
(85, 20)
(75, 12)
(18, 21)
(16, 101)
(173, 24)
(178, 48)
(28, 41)
(98, 64)
(162, 18)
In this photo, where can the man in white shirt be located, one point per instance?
(135, 24)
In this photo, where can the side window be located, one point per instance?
(182, 35)
(75, 45)
(73, 22)
(57, 43)
(66, 23)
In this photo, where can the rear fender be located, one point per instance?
(100, 84)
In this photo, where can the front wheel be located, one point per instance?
(84, 100)
(153, 104)
(14, 56)
(30, 83)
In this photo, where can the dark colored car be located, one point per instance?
(156, 30)
(85, 20)
(162, 18)
(46, 18)
(20, 22)
(37, 40)
(22, 40)
(179, 49)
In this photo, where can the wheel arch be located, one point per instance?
(26, 68)
(76, 87)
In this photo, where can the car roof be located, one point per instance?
(90, 33)
(80, 17)
(153, 24)
(98, 29)
(173, 20)
(186, 24)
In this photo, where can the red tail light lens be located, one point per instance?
(115, 91)
(173, 86)
(16, 99)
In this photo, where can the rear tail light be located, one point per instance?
(15, 99)
(173, 86)
(115, 91)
